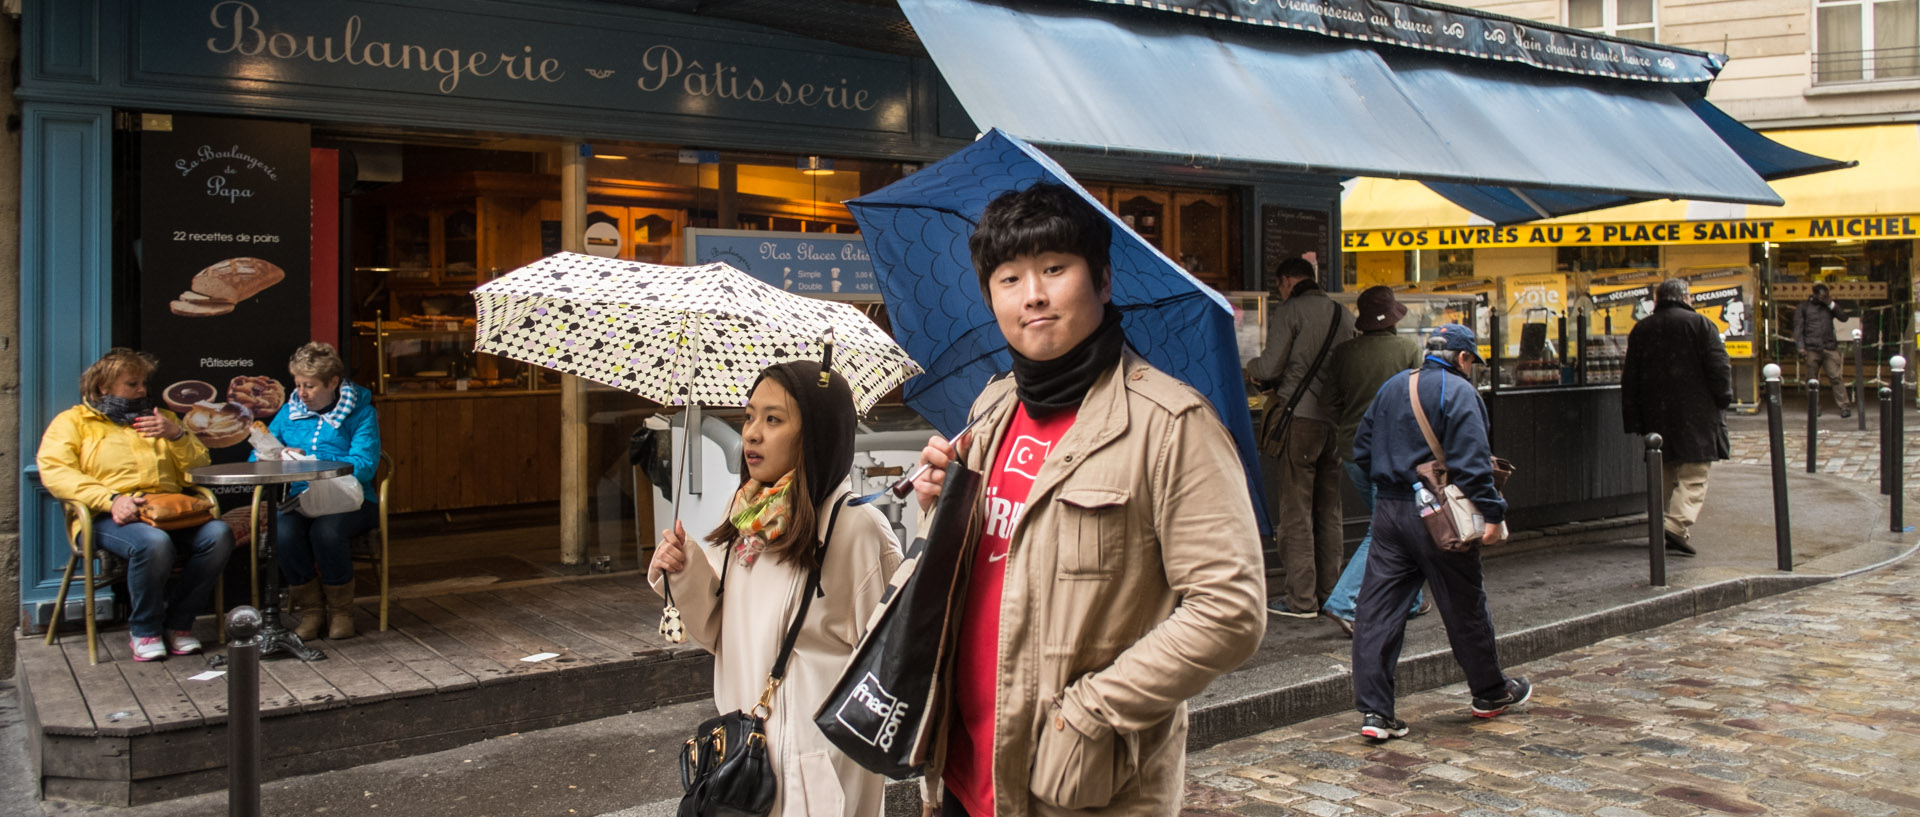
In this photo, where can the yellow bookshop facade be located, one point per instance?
(1749, 266)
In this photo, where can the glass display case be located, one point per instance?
(1249, 323)
(426, 354)
(1426, 310)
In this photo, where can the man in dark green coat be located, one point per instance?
(1356, 370)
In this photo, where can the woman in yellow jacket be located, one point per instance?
(116, 444)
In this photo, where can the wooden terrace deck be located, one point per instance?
(447, 672)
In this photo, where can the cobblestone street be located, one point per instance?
(1799, 704)
(1844, 449)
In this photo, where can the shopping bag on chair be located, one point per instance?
(877, 712)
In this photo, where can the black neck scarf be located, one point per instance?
(123, 410)
(1047, 386)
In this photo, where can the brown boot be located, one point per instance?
(305, 601)
(339, 609)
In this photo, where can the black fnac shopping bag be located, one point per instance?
(877, 713)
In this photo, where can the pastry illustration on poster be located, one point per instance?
(223, 264)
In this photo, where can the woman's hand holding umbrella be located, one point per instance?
(670, 555)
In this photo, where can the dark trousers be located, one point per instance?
(1402, 556)
(326, 541)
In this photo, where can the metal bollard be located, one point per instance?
(1777, 445)
(1813, 423)
(1656, 512)
(1896, 454)
(1886, 441)
(1860, 378)
(243, 712)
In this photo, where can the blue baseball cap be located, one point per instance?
(1458, 338)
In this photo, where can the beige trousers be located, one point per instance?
(1686, 484)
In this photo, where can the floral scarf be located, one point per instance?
(760, 513)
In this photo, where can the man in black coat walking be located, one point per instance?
(1676, 383)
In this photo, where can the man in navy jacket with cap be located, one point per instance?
(1388, 445)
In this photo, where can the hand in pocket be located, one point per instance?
(1074, 771)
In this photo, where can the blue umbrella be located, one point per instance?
(917, 229)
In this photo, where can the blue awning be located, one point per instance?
(1507, 142)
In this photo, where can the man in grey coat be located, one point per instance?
(1303, 329)
(1819, 349)
(1677, 381)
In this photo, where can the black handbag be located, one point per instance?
(724, 767)
(877, 711)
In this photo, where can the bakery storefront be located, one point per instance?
(219, 181)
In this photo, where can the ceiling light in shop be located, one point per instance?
(614, 156)
(815, 165)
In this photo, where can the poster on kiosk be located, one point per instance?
(223, 262)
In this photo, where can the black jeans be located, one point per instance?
(1402, 555)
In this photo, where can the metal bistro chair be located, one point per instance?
(370, 547)
(82, 555)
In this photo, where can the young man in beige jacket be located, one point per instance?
(1115, 567)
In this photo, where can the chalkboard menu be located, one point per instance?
(1286, 232)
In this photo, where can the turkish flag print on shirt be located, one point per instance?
(969, 769)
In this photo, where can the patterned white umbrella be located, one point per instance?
(675, 335)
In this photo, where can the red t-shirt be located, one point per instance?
(969, 768)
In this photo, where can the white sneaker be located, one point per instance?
(147, 648)
(184, 643)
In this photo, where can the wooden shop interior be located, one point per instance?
(475, 439)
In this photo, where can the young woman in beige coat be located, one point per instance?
(738, 597)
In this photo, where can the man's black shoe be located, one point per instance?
(1680, 546)
(1846, 412)
(1517, 691)
(1381, 727)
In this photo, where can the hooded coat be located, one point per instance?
(743, 623)
(1676, 382)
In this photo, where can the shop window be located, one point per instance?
(1632, 19)
(1866, 40)
(1868, 278)
(1590, 259)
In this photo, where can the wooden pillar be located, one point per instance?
(727, 207)
(573, 390)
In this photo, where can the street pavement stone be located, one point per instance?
(1847, 452)
(1797, 704)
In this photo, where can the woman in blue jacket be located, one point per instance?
(331, 419)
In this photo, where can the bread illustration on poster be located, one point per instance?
(224, 284)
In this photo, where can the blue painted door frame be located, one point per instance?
(66, 195)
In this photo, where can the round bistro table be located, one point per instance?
(273, 637)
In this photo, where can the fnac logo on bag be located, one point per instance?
(1026, 455)
(872, 713)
